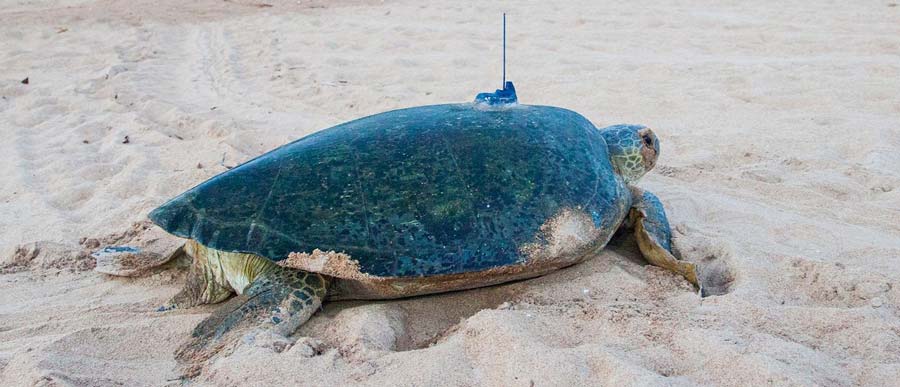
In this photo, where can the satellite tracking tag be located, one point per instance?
(506, 95)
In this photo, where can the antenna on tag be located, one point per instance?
(503, 85)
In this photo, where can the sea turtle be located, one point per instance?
(413, 201)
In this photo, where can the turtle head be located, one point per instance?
(632, 150)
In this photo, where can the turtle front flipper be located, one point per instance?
(654, 238)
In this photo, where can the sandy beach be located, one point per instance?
(779, 169)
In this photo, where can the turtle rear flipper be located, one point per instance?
(654, 238)
(278, 300)
(151, 248)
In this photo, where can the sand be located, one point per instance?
(780, 169)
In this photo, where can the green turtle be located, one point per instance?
(409, 202)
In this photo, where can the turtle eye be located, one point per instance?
(648, 140)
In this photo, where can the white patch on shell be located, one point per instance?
(565, 233)
(329, 263)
